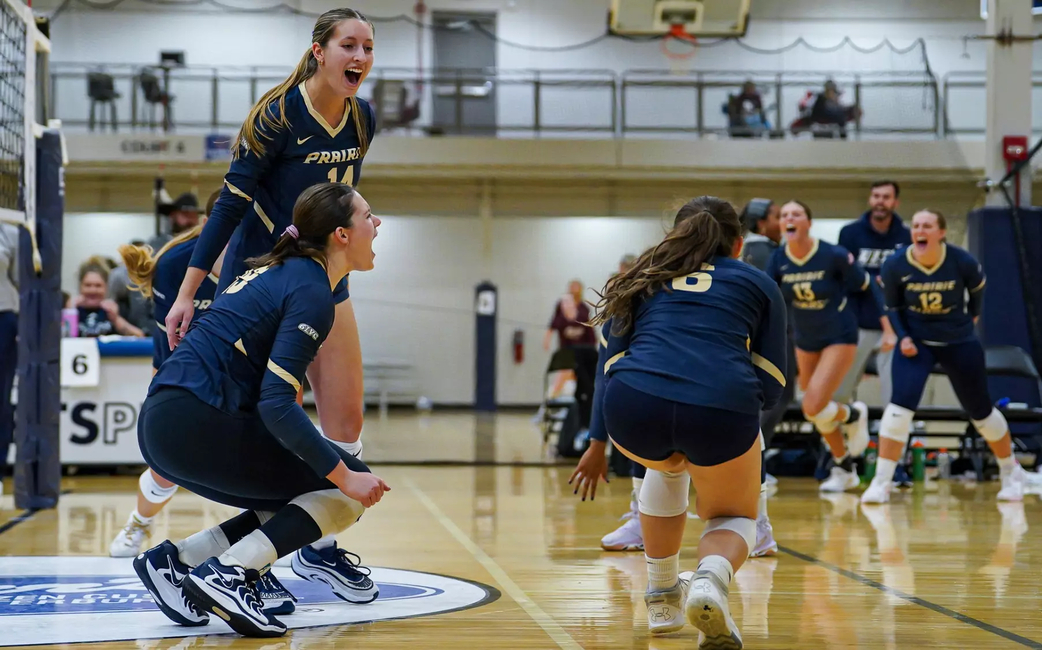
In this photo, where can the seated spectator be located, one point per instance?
(745, 113)
(828, 110)
(98, 315)
(184, 215)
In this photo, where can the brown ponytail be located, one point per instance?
(263, 118)
(319, 210)
(703, 228)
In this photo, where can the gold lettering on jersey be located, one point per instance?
(931, 286)
(812, 305)
(329, 157)
(809, 276)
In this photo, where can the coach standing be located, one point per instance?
(872, 239)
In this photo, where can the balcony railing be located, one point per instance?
(530, 103)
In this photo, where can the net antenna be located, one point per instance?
(24, 51)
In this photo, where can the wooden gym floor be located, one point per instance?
(942, 566)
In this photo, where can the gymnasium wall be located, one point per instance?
(416, 306)
(135, 33)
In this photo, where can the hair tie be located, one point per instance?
(292, 231)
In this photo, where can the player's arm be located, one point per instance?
(858, 280)
(974, 279)
(307, 319)
(893, 292)
(246, 172)
(769, 347)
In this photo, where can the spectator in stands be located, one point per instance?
(133, 306)
(828, 110)
(746, 117)
(571, 315)
(184, 215)
(98, 315)
(8, 336)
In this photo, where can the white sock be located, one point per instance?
(635, 495)
(719, 566)
(1006, 464)
(325, 542)
(255, 551)
(663, 573)
(761, 508)
(202, 546)
(885, 469)
(353, 448)
(141, 519)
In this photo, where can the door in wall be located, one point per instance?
(464, 71)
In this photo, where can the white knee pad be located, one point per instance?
(152, 491)
(332, 510)
(763, 444)
(746, 528)
(992, 428)
(896, 423)
(824, 420)
(664, 494)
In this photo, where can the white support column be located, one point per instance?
(1008, 89)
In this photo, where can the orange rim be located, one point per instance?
(690, 43)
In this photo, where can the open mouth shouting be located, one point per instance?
(353, 76)
(920, 243)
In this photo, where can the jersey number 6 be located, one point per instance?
(702, 280)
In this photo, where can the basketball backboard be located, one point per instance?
(699, 17)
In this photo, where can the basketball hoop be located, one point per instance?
(679, 47)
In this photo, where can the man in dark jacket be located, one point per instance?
(872, 239)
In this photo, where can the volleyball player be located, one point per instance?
(222, 420)
(158, 277)
(309, 128)
(695, 349)
(818, 279)
(933, 295)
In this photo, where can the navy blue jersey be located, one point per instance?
(819, 287)
(166, 282)
(871, 248)
(246, 355)
(935, 305)
(256, 204)
(714, 338)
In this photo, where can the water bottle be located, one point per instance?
(70, 323)
(944, 464)
(918, 461)
(870, 463)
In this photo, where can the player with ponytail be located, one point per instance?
(309, 129)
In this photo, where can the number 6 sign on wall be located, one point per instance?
(80, 362)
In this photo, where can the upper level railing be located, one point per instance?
(531, 103)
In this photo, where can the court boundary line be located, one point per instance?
(26, 515)
(915, 600)
(550, 626)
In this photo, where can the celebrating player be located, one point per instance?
(926, 291)
(817, 279)
(222, 420)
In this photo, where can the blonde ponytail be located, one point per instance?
(262, 117)
(141, 263)
(360, 127)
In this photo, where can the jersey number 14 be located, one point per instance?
(347, 179)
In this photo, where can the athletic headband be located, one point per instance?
(292, 231)
(755, 211)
